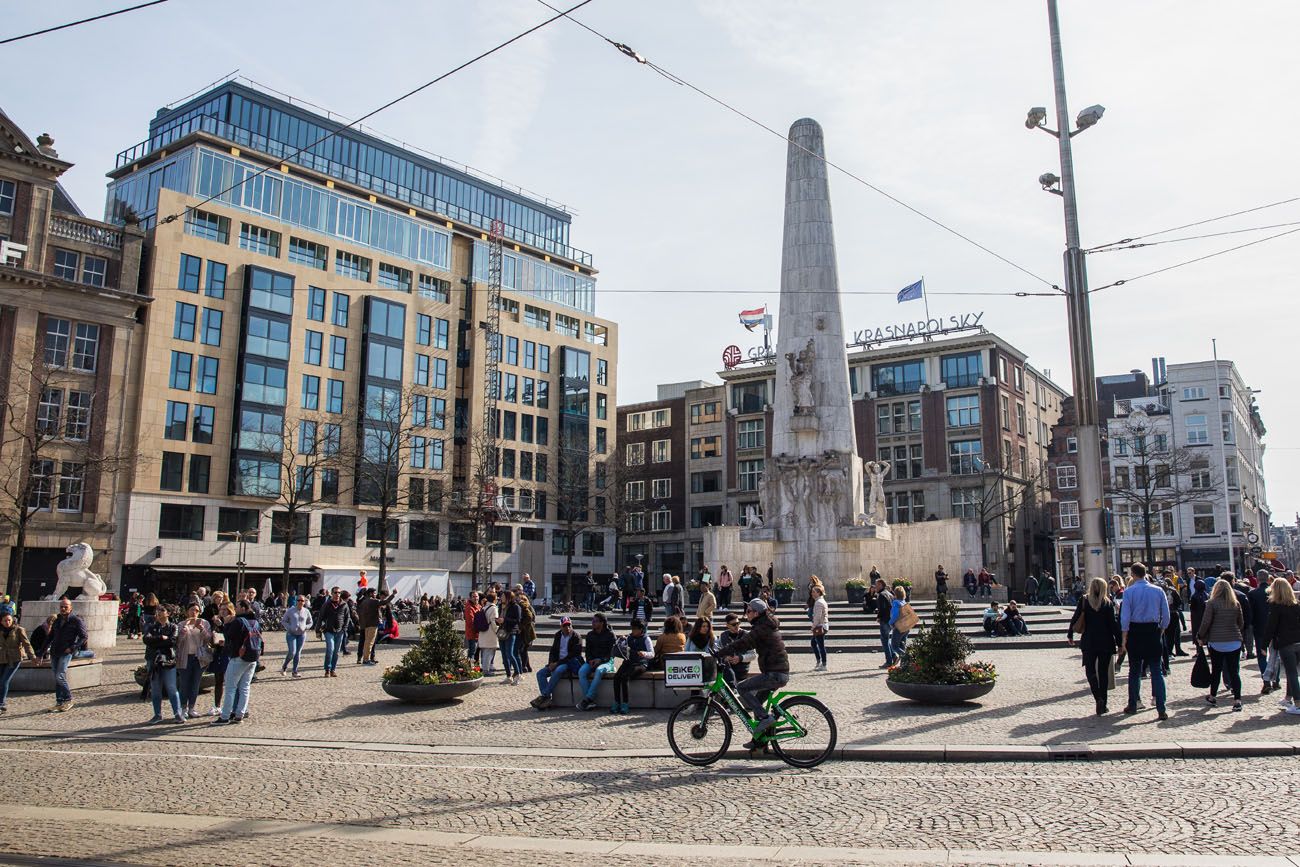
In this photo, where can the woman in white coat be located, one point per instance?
(487, 639)
(821, 622)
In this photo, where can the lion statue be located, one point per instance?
(75, 572)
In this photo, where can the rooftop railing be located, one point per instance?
(87, 231)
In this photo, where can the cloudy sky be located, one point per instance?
(925, 100)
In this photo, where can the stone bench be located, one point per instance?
(646, 691)
(38, 677)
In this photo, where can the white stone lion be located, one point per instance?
(75, 572)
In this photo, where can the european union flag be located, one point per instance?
(913, 292)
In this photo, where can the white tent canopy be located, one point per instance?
(408, 583)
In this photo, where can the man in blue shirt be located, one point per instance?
(1144, 615)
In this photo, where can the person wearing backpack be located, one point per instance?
(244, 644)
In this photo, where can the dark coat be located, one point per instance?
(764, 636)
(67, 635)
(1101, 633)
(575, 647)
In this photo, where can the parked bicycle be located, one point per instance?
(699, 729)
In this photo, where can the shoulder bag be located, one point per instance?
(1201, 670)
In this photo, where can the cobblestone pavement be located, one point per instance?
(154, 802)
(1041, 698)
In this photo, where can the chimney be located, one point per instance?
(45, 143)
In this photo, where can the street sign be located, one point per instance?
(1256, 551)
(1268, 555)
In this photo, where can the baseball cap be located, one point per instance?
(564, 621)
(757, 605)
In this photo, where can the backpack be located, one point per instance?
(251, 649)
(481, 622)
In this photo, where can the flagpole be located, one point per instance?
(925, 298)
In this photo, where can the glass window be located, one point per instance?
(965, 457)
(173, 471)
(190, 273)
(1203, 519)
(85, 347)
(422, 535)
(439, 373)
(49, 412)
(963, 411)
(264, 383)
(352, 265)
(269, 290)
(57, 334)
(1069, 514)
(65, 264)
(903, 377)
(441, 333)
(965, 502)
(200, 473)
(181, 369)
(310, 391)
(257, 477)
(338, 352)
(1067, 476)
(94, 271)
(316, 303)
(341, 309)
(204, 421)
(177, 521)
(261, 431)
(212, 227)
(385, 362)
(512, 350)
(259, 240)
(435, 288)
(178, 417)
(423, 329)
(267, 337)
(335, 397)
(211, 334)
(749, 473)
(706, 447)
(602, 372)
(749, 397)
(77, 423)
(307, 253)
(311, 350)
(393, 277)
(387, 319)
(338, 530)
(962, 371)
(216, 284)
(1198, 432)
(8, 194)
(42, 484)
(750, 434)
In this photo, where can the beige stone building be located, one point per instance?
(68, 325)
(312, 309)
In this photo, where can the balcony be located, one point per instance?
(86, 231)
(1155, 405)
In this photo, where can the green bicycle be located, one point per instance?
(699, 729)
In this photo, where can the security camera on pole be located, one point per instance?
(1080, 319)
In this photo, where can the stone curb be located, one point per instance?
(933, 753)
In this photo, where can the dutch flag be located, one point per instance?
(751, 319)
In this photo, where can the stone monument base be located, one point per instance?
(910, 551)
(99, 617)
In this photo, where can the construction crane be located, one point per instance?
(486, 509)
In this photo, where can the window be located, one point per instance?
(307, 253)
(661, 520)
(1203, 519)
(211, 333)
(702, 413)
(636, 491)
(706, 447)
(965, 502)
(602, 372)
(200, 473)
(180, 522)
(257, 477)
(1229, 434)
(661, 451)
(904, 377)
(352, 265)
(57, 333)
(536, 317)
(212, 227)
(907, 460)
(261, 431)
(602, 406)
(216, 284)
(205, 382)
(259, 240)
(1071, 445)
(267, 337)
(593, 544)
(512, 350)
(566, 325)
(442, 334)
(749, 397)
(706, 483)
(1198, 432)
(329, 486)
(510, 391)
(898, 418)
(965, 457)
(265, 384)
(181, 370)
(962, 371)
(1018, 375)
(707, 516)
(1123, 478)
(204, 421)
(1067, 476)
(1006, 412)
(422, 535)
(963, 411)
(393, 277)
(905, 507)
(284, 525)
(271, 291)
(661, 489)
(1069, 514)
(72, 482)
(191, 271)
(750, 434)
(1194, 392)
(173, 471)
(602, 441)
(42, 483)
(635, 453)
(376, 531)
(433, 287)
(94, 272)
(539, 473)
(334, 399)
(340, 309)
(440, 374)
(178, 420)
(233, 521)
(49, 412)
(750, 473)
(65, 264)
(1199, 470)
(8, 193)
(316, 303)
(636, 522)
(77, 423)
(1021, 427)
(311, 350)
(1024, 462)
(339, 353)
(85, 347)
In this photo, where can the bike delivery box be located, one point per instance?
(689, 670)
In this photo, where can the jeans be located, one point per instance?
(7, 672)
(521, 651)
(294, 645)
(724, 597)
(1261, 656)
(1291, 662)
(897, 641)
(164, 679)
(755, 690)
(239, 680)
(333, 642)
(986, 590)
(59, 665)
(1097, 667)
(628, 670)
(589, 677)
(471, 649)
(1144, 649)
(509, 658)
(1226, 665)
(819, 648)
(191, 678)
(885, 644)
(547, 679)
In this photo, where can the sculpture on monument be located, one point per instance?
(74, 571)
(875, 515)
(801, 367)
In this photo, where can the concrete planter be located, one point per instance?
(940, 693)
(693, 597)
(856, 594)
(783, 595)
(431, 693)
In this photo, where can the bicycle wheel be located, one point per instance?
(699, 730)
(818, 741)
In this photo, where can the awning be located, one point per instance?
(409, 583)
(230, 570)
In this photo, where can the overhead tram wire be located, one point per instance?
(632, 54)
(706, 292)
(1101, 247)
(42, 32)
(173, 217)
(1128, 280)
(1111, 249)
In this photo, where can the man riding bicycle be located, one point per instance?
(764, 637)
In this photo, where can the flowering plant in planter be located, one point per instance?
(937, 654)
(438, 658)
(856, 583)
(783, 584)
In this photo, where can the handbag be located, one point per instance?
(907, 618)
(1201, 670)
(1076, 625)
(1110, 672)
(818, 631)
(165, 659)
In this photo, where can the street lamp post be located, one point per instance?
(1082, 365)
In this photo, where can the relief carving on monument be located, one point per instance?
(807, 491)
(801, 369)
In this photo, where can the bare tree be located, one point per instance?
(391, 419)
(585, 492)
(1004, 499)
(479, 502)
(50, 454)
(1153, 476)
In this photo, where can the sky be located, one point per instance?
(925, 100)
